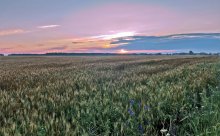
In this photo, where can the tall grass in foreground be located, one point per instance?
(110, 96)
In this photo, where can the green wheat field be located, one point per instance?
(110, 95)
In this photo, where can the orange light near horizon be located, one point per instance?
(106, 46)
(123, 51)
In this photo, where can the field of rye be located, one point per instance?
(110, 95)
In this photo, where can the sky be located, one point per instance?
(41, 26)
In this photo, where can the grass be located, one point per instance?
(120, 95)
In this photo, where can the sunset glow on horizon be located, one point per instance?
(103, 26)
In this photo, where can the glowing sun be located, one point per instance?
(123, 51)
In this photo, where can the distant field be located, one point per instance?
(110, 95)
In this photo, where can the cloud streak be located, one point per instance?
(113, 36)
(48, 26)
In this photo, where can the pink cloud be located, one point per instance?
(143, 19)
(11, 32)
(118, 18)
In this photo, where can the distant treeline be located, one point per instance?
(1, 54)
(111, 54)
(70, 54)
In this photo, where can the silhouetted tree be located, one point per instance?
(191, 52)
